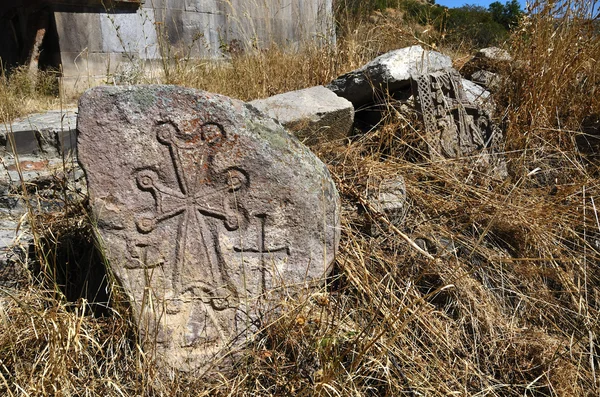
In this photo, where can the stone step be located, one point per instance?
(37, 162)
(51, 133)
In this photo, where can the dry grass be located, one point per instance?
(260, 74)
(508, 308)
(20, 94)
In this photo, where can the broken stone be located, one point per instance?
(388, 73)
(455, 126)
(494, 54)
(487, 79)
(491, 59)
(389, 199)
(35, 167)
(51, 133)
(208, 212)
(313, 114)
(476, 94)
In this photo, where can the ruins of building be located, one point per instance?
(95, 41)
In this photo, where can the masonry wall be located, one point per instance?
(116, 46)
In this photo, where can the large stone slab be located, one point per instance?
(51, 133)
(208, 211)
(313, 114)
(390, 72)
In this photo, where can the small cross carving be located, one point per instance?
(263, 250)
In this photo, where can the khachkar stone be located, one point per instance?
(455, 126)
(209, 212)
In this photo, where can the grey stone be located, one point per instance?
(494, 54)
(96, 44)
(491, 59)
(313, 114)
(456, 125)
(44, 144)
(48, 133)
(476, 94)
(208, 212)
(389, 72)
(487, 79)
(389, 198)
(23, 142)
(79, 31)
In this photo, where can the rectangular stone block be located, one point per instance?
(42, 133)
(133, 33)
(79, 31)
(22, 142)
(313, 114)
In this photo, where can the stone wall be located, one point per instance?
(117, 43)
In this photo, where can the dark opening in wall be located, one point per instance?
(50, 48)
(10, 41)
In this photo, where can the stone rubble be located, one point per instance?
(207, 208)
(390, 72)
(488, 67)
(388, 197)
(35, 152)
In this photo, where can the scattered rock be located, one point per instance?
(207, 210)
(491, 59)
(37, 163)
(487, 79)
(389, 198)
(51, 133)
(313, 115)
(389, 72)
(476, 94)
(494, 54)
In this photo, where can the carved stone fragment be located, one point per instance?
(207, 210)
(455, 126)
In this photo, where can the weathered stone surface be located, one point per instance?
(389, 72)
(456, 126)
(44, 144)
(389, 198)
(314, 114)
(487, 79)
(494, 54)
(475, 94)
(206, 208)
(50, 133)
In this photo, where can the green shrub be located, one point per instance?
(474, 24)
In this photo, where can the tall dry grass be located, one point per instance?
(21, 93)
(508, 306)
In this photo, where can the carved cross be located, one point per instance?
(199, 196)
(263, 250)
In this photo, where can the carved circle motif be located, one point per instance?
(145, 179)
(212, 133)
(146, 225)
